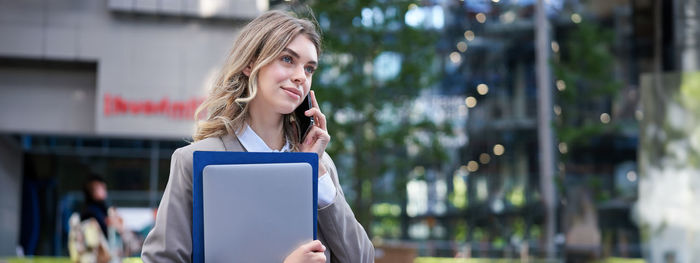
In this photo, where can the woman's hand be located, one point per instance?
(309, 252)
(114, 220)
(317, 139)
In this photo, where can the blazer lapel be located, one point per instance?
(232, 144)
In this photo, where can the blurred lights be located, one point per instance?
(385, 209)
(455, 57)
(555, 46)
(497, 206)
(459, 197)
(561, 86)
(462, 110)
(605, 118)
(470, 101)
(557, 110)
(469, 35)
(517, 196)
(498, 149)
(462, 46)
(576, 18)
(387, 65)
(418, 170)
(438, 16)
(484, 158)
(417, 17)
(639, 115)
(417, 192)
(482, 89)
(463, 169)
(482, 189)
(563, 148)
(419, 230)
(496, 1)
(631, 176)
(481, 18)
(472, 166)
(367, 68)
(507, 17)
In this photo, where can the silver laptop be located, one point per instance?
(256, 212)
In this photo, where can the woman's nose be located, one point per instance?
(299, 76)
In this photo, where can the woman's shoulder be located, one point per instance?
(208, 144)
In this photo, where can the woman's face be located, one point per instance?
(99, 191)
(284, 82)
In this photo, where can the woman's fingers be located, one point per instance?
(315, 246)
(317, 135)
(316, 141)
(316, 250)
(319, 117)
(314, 103)
(309, 252)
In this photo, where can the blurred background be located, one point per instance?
(463, 130)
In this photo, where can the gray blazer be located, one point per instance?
(170, 240)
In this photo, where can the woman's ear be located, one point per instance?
(247, 70)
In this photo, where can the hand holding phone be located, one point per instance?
(312, 124)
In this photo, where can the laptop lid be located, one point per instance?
(256, 212)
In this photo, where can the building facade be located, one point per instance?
(107, 87)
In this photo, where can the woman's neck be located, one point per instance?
(268, 125)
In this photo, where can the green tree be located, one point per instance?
(586, 84)
(585, 79)
(373, 68)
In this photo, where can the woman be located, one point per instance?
(267, 75)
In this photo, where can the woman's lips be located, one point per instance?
(294, 93)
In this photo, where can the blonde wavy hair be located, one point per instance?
(258, 44)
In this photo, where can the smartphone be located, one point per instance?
(302, 121)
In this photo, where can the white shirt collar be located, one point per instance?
(253, 143)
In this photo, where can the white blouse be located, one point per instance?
(253, 143)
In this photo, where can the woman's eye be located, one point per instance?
(287, 59)
(310, 69)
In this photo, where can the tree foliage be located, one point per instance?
(585, 69)
(368, 102)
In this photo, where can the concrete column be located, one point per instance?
(545, 134)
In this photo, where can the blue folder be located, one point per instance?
(204, 158)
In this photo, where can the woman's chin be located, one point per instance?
(284, 107)
(287, 110)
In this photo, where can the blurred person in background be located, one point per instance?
(95, 192)
(266, 77)
(111, 224)
(583, 240)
